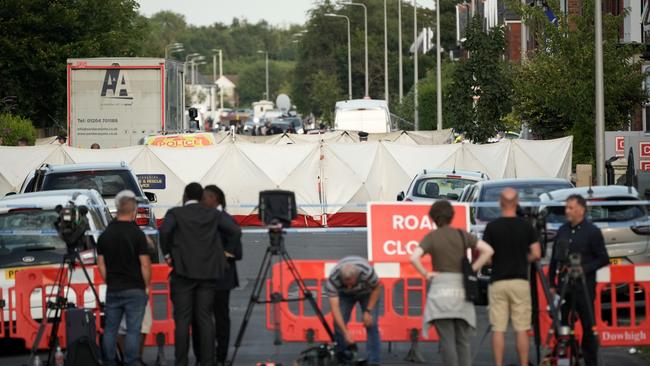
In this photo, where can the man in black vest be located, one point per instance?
(191, 242)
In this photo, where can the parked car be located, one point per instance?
(434, 184)
(529, 190)
(626, 228)
(106, 178)
(295, 122)
(28, 237)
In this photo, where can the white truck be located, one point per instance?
(116, 102)
(365, 115)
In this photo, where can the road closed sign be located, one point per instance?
(396, 228)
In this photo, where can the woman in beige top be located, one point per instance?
(446, 306)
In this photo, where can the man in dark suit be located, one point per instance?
(190, 237)
(213, 197)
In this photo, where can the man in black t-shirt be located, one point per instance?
(515, 245)
(124, 263)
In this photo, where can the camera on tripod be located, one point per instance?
(72, 224)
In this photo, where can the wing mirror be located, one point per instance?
(400, 196)
(151, 197)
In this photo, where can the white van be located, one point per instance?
(365, 115)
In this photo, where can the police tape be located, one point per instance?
(324, 230)
(494, 204)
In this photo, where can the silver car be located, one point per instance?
(625, 227)
(434, 184)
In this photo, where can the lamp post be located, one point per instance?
(385, 53)
(600, 99)
(365, 22)
(266, 53)
(173, 47)
(214, 71)
(416, 119)
(438, 69)
(349, 53)
(193, 65)
(196, 67)
(399, 46)
(187, 59)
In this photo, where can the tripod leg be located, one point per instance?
(90, 282)
(263, 273)
(307, 294)
(54, 340)
(590, 314)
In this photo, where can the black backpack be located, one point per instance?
(83, 352)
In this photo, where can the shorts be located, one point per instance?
(510, 299)
(146, 322)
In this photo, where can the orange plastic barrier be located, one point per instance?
(620, 308)
(401, 304)
(35, 287)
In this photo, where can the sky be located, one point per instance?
(206, 12)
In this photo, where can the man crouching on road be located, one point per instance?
(352, 281)
(123, 261)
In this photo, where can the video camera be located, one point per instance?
(72, 224)
(329, 355)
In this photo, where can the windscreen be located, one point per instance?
(371, 120)
(107, 182)
(528, 192)
(439, 187)
(596, 213)
(28, 221)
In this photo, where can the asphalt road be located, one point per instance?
(258, 341)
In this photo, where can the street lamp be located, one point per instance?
(385, 53)
(600, 98)
(268, 97)
(173, 47)
(349, 53)
(195, 61)
(214, 71)
(365, 21)
(416, 117)
(399, 45)
(438, 69)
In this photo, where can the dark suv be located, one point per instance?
(106, 178)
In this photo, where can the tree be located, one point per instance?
(554, 90)
(252, 80)
(479, 96)
(326, 92)
(13, 128)
(37, 36)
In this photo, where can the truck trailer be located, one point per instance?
(117, 102)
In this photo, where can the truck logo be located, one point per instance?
(116, 87)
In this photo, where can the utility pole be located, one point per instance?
(365, 22)
(438, 68)
(416, 119)
(399, 45)
(524, 37)
(386, 54)
(220, 76)
(600, 98)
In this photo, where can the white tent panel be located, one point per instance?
(126, 154)
(413, 159)
(277, 161)
(17, 162)
(542, 158)
(304, 181)
(491, 159)
(190, 165)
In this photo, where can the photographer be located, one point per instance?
(353, 280)
(191, 242)
(515, 245)
(123, 261)
(585, 240)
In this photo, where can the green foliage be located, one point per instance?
(483, 74)
(252, 80)
(324, 47)
(37, 36)
(327, 92)
(554, 90)
(427, 104)
(13, 128)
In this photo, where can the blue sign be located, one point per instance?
(152, 181)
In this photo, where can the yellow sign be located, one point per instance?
(616, 261)
(188, 140)
(10, 273)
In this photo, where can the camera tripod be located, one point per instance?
(566, 346)
(60, 304)
(276, 249)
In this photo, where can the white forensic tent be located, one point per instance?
(327, 177)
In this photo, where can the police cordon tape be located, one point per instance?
(365, 205)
